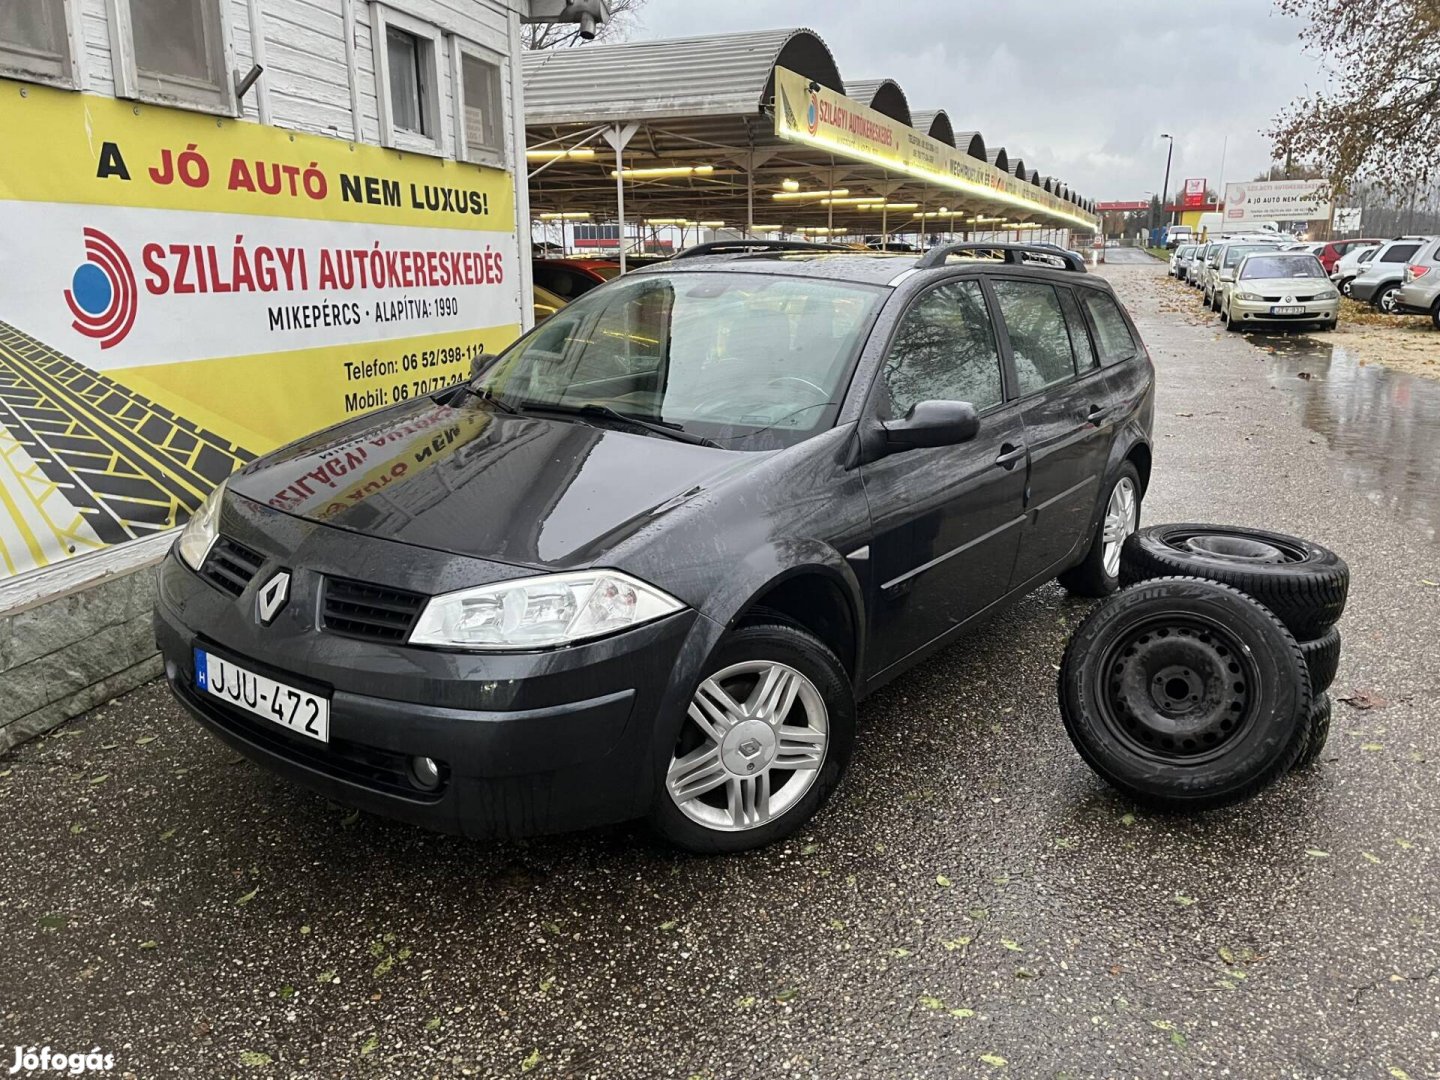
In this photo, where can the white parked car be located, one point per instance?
(1351, 265)
(1279, 287)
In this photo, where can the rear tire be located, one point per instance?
(1303, 583)
(1185, 694)
(1435, 315)
(1099, 573)
(726, 794)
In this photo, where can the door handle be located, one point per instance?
(1009, 455)
(1095, 414)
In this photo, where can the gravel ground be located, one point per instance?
(974, 902)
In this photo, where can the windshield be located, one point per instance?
(1281, 266)
(749, 361)
(605, 270)
(1235, 253)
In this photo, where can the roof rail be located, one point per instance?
(743, 247)
(1012, 253)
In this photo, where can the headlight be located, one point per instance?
(1253, 297)
(202, 529)
(1331, 295)
(538, 612)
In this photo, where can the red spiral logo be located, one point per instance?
(102, 292)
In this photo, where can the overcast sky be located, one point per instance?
(1081, 88)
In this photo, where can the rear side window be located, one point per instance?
(1398, 253)
(1112, 332)
(1039, 339)
(944, 350)
(1085, 358)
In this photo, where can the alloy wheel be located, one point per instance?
(1387, 302)
(752, 746)
(1122, 516)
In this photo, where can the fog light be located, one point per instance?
(424, 773)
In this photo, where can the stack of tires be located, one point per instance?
(1205, 678)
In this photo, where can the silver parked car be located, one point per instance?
(1279, 287)
(1222, 271)
(1419, 294)
(1180, 260)
(1386, 273)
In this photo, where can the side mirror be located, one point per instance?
(480, 363)
(932, 423)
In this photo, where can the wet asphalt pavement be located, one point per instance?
(974, 902)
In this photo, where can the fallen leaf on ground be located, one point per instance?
(994, 1060)
(1364, 699)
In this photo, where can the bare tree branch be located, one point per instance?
(1378, 120)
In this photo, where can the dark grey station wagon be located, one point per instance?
(644, 563)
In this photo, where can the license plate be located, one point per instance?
(300, 711)
(1297, 309)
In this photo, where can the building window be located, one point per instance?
(173, 52)
(407, 74)
(480, 127)
(35, 42)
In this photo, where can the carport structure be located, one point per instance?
(758, 133)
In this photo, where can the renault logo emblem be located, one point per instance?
(272, 598)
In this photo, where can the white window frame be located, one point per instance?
(484, 155)
(13, 66)
(178, 93)
(382, 18)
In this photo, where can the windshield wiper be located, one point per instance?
(659, 427)
(493, 398)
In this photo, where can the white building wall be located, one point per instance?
(306, 77)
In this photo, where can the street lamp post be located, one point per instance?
(1165, 187)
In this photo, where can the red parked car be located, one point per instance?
(571, 279)
(1332, 252)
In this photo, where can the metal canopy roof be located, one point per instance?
(708, 101)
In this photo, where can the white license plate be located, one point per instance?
(302, 712)
(1288, 310)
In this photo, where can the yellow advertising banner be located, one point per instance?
(179, 293)
(817, 116)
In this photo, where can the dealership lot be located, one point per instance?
(973, 901)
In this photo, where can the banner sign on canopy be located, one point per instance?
(828, 120)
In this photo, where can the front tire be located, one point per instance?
(1099, 573)
(766, 738)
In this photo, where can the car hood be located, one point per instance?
(1285, 286)
(464, 478)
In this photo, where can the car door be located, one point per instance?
(945, 520)
(1068, 409)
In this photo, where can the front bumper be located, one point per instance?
(528, 743)
(1259, 311)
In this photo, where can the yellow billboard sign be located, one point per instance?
(179, 294)
(817, 116)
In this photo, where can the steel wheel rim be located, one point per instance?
(1178, 689)
(1121, 518)
(752, 746)
(1207, 543)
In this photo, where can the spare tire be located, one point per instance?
(1304, 584)
(1322, 657)
(1185, 694)
(1320, 713)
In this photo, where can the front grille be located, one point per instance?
(1281, 299)
(231, 566)
(374, 612)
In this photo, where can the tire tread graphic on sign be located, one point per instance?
(128, 465)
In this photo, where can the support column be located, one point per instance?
(619, 137)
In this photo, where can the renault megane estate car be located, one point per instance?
(644, 563)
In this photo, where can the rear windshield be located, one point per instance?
(1282, 266)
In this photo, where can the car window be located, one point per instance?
(1039, 340)
(944, 350)
(1233, 255)
(1398, 253)
(1085, 358)
(1366, 255)
(1112, 332)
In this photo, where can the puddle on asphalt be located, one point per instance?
(1383, 425)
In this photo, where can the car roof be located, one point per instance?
(866, 267)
